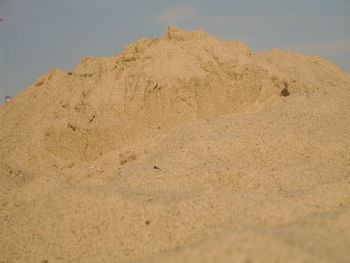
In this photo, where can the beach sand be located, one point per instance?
(183, 149)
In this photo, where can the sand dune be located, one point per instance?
(184, 149)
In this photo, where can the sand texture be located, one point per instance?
(183, 149)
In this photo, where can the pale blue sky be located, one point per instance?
(39, 35)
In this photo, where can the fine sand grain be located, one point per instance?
(184, 149)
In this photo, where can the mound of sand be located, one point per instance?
(184, 149)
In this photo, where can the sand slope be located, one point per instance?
(184, 149)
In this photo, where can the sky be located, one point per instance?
(39, 35)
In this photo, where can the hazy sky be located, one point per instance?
(39, 35)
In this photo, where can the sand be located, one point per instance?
(183, 149)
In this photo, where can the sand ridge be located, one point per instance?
(183, 149)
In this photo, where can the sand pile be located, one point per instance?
(184, 149)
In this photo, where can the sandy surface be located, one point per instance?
(184, 149)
